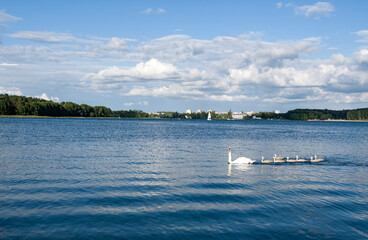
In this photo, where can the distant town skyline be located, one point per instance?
(179, 55)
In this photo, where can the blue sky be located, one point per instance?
(178, 55)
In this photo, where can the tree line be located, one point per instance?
(20, 105)
(28, 106)
(324, 114)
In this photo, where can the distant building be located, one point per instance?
(189, 111)
(237, 115)
(277, 111)
(199, 111)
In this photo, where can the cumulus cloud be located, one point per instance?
(186, 92)
(116, 44)
(4, 17)
(152, 69)
(10, 91)
(47, 98)
(173, 90)
(316, 10)
(241, 68)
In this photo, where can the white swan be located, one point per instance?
(265, 161)
(291, 160)
(316, 159)
(277, 159)
(300, 160)
(241, 160)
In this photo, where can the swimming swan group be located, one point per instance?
(276, 159)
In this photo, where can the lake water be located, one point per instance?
(169, 179)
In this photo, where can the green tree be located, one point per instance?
(230, 114)
(6, 106)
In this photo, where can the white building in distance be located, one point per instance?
(238, 115)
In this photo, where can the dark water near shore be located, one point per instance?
(169, 179)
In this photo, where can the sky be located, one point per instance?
(195, 54)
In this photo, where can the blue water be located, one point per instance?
(169, 179)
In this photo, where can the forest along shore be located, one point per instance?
(11, 105)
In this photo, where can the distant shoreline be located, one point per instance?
(72, 117)
(335, 120)
(34, 116)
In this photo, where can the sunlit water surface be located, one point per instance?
(169, 179)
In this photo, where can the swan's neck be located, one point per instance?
(229, 156)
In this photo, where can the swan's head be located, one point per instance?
(262, 158)
(229, 149)
(287, 158)
(274, 155)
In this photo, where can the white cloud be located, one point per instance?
(233, 69)
(10, 91)
(279, 5)
(316, 11)
(47, 98)
(4, 66)
(226, 68)
(8, 64)
(147, 11)
(150, 11)
(160, 10)
(116, 44)
(228, 98)
(173, 90)
(363, 34)
(128, 104)
(48, 37)
(152, 69)
(188, 92)
(4, 17)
